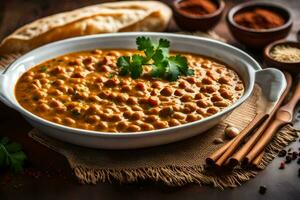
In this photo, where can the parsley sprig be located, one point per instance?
(11, 155)
(157, 56)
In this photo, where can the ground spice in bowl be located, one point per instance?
(197, 7)
(285, 53)
(259, 19)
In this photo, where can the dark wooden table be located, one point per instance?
(47, 174)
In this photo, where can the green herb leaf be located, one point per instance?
(157, 56)
(11, 155)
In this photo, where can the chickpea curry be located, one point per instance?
(85, 90)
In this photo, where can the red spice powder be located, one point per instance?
(197, 7)
(259, 19)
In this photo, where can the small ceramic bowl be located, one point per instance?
(287, 66)
(201, 23)
(259, 38)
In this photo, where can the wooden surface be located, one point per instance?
(47, 174)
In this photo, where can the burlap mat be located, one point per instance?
(174, 164)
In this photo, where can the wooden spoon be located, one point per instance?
(284, 116)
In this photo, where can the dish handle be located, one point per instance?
(3, 87)
(272, 82)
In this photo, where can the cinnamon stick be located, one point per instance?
(211, 160)
(244, 150)
(258, 159)
(284, 115)
(258, 119)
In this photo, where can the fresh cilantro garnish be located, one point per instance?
(156, 55)
(11, 155)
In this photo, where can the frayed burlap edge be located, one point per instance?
(179, 176)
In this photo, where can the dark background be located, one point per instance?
(47, 174)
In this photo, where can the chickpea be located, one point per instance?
(206, 81)
(176, 108)
(183, 84)
(209, 88)
(203, 104)
(44, 81)
(136, 108)
(112, 82)
(58, 70)
(94, 98)
(140, 86)
(93, 119)
(68, 121)
(239, 87)
(146, 127)
(96, 51)
(133, 128)
(153, 111)
(40, 75)
(221, 104)
(27, 78)
(88, 60)
(178, 93)
(57, 120)
(190, 90)
(191, 118)
(199, 96)
(104, 94)
(43, 107)
(55, 103)
(201, 111)
(59, 82)
(186, 98)
(104, 116)
(160, 124)
(115, 118)
(156, 84)
(212, 75)
(213, 110)
(166, 91)
(178, 115)
(29, 73)
(121, 98)
(136, 116)
(125, 88)
(94, 108)
(166, 112)
(102, 125)
(191, 80)
(127, 114)
(132, 101)
(153, 101)
(151, 118)
(189, 107)
(105, 68)
(223, 80)
(216, 98)
(122, 125)
(174, 122)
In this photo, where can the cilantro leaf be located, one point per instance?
(156, 55)
(143, 43)
(124, 63)
(163, 43)
(11, 155)
(136, 65)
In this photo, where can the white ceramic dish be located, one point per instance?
(243, 64)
